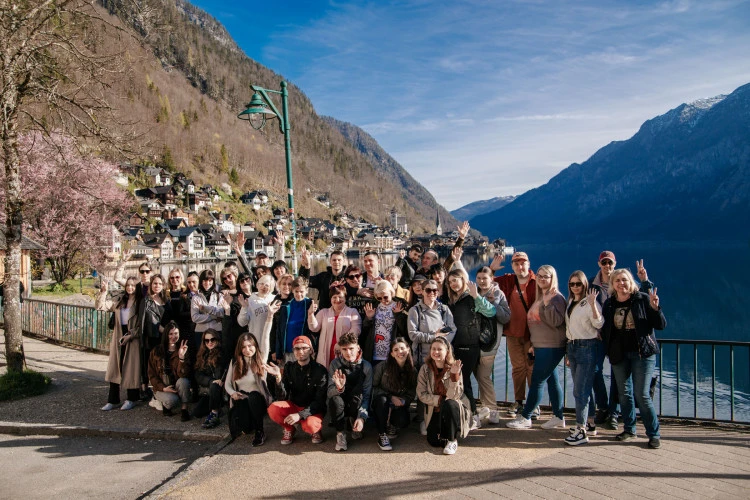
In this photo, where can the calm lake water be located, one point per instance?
(704, 294)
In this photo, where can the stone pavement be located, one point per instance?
(706, 461)
(72, 405)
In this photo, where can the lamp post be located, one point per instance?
(256, 112)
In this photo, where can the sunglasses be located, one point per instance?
(245, 280)
(430, 290)
(174, 277)
(353, 276)
(575, 284)
(144, 271)
(209, 340)
(381, 298)
(606, 262)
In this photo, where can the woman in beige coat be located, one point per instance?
(447, 412)
(124, 365)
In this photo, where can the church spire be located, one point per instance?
(438, 227)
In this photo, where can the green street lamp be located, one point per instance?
(256, 112)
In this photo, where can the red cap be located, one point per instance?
(607, 255)
(302, 339)
(520, 256)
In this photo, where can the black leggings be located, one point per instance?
(247, 414)
(399, 415)
(445, 425)
(469, 357)
(209, 402)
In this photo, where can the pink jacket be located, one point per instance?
(349, 321)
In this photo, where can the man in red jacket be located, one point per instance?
(520, 289)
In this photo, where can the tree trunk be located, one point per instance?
(13, 205)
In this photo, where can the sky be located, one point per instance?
(478, 99)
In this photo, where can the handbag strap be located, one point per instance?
(520, 294)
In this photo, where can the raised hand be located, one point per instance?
(239, 241)
(273, 307)
(313, 309)
(304, 259)
(456, 368)
(369, 311)
(272, 369)
(642, 274)
(497, 262)
(653, 299)
(549, 294)
(339, 379)
(242, 300)
(104, 285)
(591, 295)
(127, 255)
(456, 253)
(183, 349)
(398, 307)
(472, 289)
(463, 229)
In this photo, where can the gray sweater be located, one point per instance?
(549, 331)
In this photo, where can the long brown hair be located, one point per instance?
(395, 377)
(453, 296)
(449, 359)
(125, 296)
(208, 357)
(240, 367)
(164, 285)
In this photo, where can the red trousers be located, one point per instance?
(279, 410)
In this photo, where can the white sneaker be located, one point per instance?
(519, 423)
(127, 405)
(483, 412)
(423, 428)
(536, 413)
(108, 407)
(578, 437)
(156, 404)
(340, 441)
(450, 448)
(476, 423)
(554, 423)
(494, 417)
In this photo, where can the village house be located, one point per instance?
(161, 243)
(190, 242)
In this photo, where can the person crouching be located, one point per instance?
(168, 372)
(349, 388)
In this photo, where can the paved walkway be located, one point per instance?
(695, 461)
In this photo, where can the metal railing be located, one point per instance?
(672, 377)
(85, 326)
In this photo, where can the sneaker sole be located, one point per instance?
(286, 442)
(626, 438)
(386, 448)
(576, 443)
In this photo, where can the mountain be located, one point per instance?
(411, 190)
(684, 176)
(468, 212)
(185, 83)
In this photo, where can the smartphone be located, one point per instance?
(531, 356)
(445, 329)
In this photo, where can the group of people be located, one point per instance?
(374, 342)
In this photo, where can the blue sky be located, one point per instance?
(478, 99)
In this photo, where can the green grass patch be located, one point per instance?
(21, 385)
(70, 287)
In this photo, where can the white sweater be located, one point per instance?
(580, 324)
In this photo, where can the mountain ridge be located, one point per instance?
(683, 175)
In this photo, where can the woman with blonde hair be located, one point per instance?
(546, 321)
(382, 323)
(630, 317)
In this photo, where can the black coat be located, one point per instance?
(646, 321)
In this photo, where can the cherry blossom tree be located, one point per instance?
(70, 201)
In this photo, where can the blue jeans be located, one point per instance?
(582, 355)
(612, 403)
(633, 376)
(545, 370)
